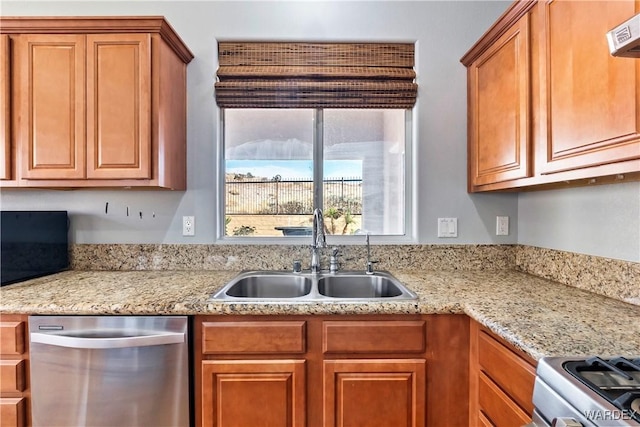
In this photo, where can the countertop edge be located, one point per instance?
(536, 315)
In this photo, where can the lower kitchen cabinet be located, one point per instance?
(250, 372)
(244, 393)
(370, 390)
(501, 381)
(14, 371)
(334, 370)
(374, 392)
(409, 370)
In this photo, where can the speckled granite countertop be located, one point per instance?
(541, 317)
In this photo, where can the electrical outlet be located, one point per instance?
(502, 226)
(188, 225)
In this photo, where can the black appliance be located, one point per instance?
(587, 392)
(34, 244)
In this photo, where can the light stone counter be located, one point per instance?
(541, 317)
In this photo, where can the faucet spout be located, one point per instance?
(318, 240)
(370, 263)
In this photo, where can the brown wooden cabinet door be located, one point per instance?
(5, 109)
(12, 411)
(50, 92)
(374, 393)
(241, 393)
(119, 106)
(499, 109)
(590, 100)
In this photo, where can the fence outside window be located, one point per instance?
(278, 196)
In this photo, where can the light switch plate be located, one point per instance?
(447, 227)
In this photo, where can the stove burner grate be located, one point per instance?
(617, 380)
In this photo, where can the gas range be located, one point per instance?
(587, 392)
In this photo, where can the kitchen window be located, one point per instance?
(315, 125)
(279, 164)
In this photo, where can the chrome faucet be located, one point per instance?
(370, 263)
(334, 266)
(319, 240)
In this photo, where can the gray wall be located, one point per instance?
(440, 115)
(600, 220)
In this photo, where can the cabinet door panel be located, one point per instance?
(374, 393)
(5, 111)
(591, 100)
(12, 411)
(51, 93)
(499, 140)
(119, 106)
(239, 393)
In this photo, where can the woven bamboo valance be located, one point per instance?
(315, 75)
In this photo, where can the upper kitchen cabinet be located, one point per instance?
(590, 100)
(98, 102)
(499, 109)
(49, 94)
(5, 110)
(548, 105)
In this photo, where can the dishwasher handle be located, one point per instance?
(105, 343)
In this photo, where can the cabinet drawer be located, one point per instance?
(387, 336)
(497, 407)
(12, 376)
(509, 371)
(12, 412)
(253, 337)
(483, 421)
(12, 337)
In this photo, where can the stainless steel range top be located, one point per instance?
(587, 392)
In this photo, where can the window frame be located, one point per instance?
(410, 235)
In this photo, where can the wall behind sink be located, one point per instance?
(444, 31)
(440, 115)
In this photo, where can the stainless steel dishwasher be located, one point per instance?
(109, 371)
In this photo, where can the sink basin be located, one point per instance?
(262, 285)
(308, 287)
(359, 286)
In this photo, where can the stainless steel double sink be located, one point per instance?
(314, 287)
